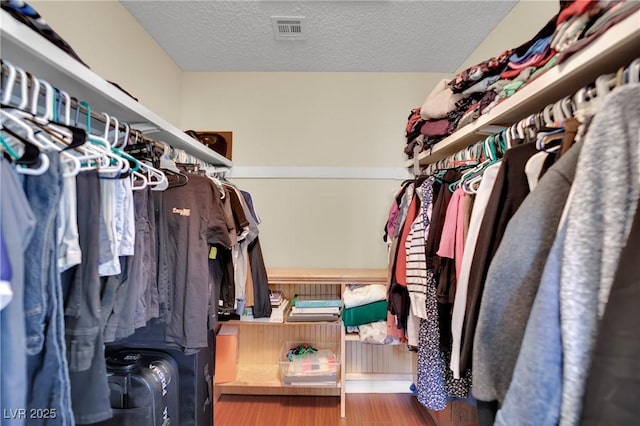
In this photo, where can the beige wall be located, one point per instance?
(312, 119)
(322, 223)
(117, 48)
(307, 119)
(520, 25)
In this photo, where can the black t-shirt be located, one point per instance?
(194, 220)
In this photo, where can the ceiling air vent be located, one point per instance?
(288, 27)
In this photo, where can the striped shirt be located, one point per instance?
(417, 275)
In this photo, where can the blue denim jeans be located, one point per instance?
(47, 373)
(17, 224)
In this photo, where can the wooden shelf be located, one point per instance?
(25, 48)
(261, 379)
(617, 47)
(352, 337)
(264, 343)
(289, 323)
(382, 377)
(283, 276)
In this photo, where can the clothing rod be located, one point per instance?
(75, 104)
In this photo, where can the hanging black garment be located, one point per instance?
(509, 191)
(262, 303)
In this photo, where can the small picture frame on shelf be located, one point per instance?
(219, 141)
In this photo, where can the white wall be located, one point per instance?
(117, 48)
(313, 119)
(520, 25)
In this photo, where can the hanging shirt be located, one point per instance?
(509, 190)
(17, 223)
(195, 219)
(535, 392)
(416, 261)
(109, 262)
(613, 384)
(452, 242)
(598, 225)
(432, 392)
(555, 355)
(125, 223)
(69, 253)
(459, 305)
(514, 277)
(442, 197)
(533, 169)
(401, 265)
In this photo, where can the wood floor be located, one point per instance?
(362, 409)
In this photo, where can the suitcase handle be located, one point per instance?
(123, 384)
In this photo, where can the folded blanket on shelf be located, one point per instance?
(364, 314)
(363, 295)
(440, 102)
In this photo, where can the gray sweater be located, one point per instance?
(513, 279)
(607, 187)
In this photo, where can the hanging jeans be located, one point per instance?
(47, 372)
(17, 223)
(83, 322)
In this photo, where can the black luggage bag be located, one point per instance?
(195, 370)
(144, 388)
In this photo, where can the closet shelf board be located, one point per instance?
(254, 379)
(28, 50)
(366, 377)
(352, 337)
(617, 47)
(286, 323)
(282, 276)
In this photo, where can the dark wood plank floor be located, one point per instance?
(362, 409)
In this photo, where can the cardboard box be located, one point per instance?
(226, 354)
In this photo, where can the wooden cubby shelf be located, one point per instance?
(260, 343)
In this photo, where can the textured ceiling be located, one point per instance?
(382, 36)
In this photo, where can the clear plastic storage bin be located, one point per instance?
(305, 367)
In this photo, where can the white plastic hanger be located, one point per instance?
(634, 71)
(8, 86)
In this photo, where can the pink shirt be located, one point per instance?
(452, 241)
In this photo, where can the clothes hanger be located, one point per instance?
(30, 152)
(155, 178)
(568, 108)
(109, 162)
(70, 163)
(8, 85)
(24, 122)
(125, 139)
(603, 86)
(6, 147)
(37, 171)
(471, 179)
(166, 163)
(142, 181)
(634, 71)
